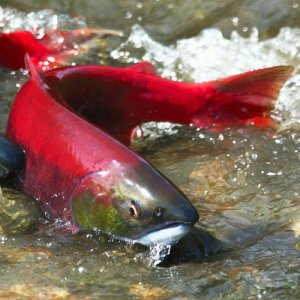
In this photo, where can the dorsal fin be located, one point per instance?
(33, 73)
(143, 67)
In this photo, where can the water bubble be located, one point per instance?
(3, 239)
(221, 137)
(235, 21)
(128, 15)
(254, 156)
(81, 270)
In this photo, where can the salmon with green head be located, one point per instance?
(83, 174)
(71, 121)
(134, 204)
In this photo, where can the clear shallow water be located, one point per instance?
(243, 181)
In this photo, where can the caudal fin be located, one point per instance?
(246, 98)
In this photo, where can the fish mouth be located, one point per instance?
(167, 233)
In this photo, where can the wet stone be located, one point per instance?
(19, 213)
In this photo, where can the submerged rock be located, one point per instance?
(19, 213)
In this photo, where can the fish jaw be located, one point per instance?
(167, 234)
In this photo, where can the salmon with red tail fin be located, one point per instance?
(119, 99)
(70, 122)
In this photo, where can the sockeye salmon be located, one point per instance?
(73, 122)
(53, 49)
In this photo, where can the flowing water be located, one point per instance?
(245, 182)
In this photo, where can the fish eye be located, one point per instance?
(133, 210)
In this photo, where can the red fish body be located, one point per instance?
(117, 100)
(61, 148)
(59, 118)
(15, 45)
(53, 49)
(69, 160)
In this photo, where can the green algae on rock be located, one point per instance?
(19, 213)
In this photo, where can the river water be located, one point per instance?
(244, 182)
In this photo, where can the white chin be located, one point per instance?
(167, 236)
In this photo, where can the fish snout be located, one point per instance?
(188, 214)
(179, 211)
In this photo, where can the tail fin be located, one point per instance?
(246, 98)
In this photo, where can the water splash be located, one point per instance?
(37, 22)
(157, 254)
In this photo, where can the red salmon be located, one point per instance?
(80, 172)
(119, 99)
(53, 49)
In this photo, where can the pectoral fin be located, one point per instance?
(12, 157)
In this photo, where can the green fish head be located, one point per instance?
(133, 204)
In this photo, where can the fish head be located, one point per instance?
(136, 205)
